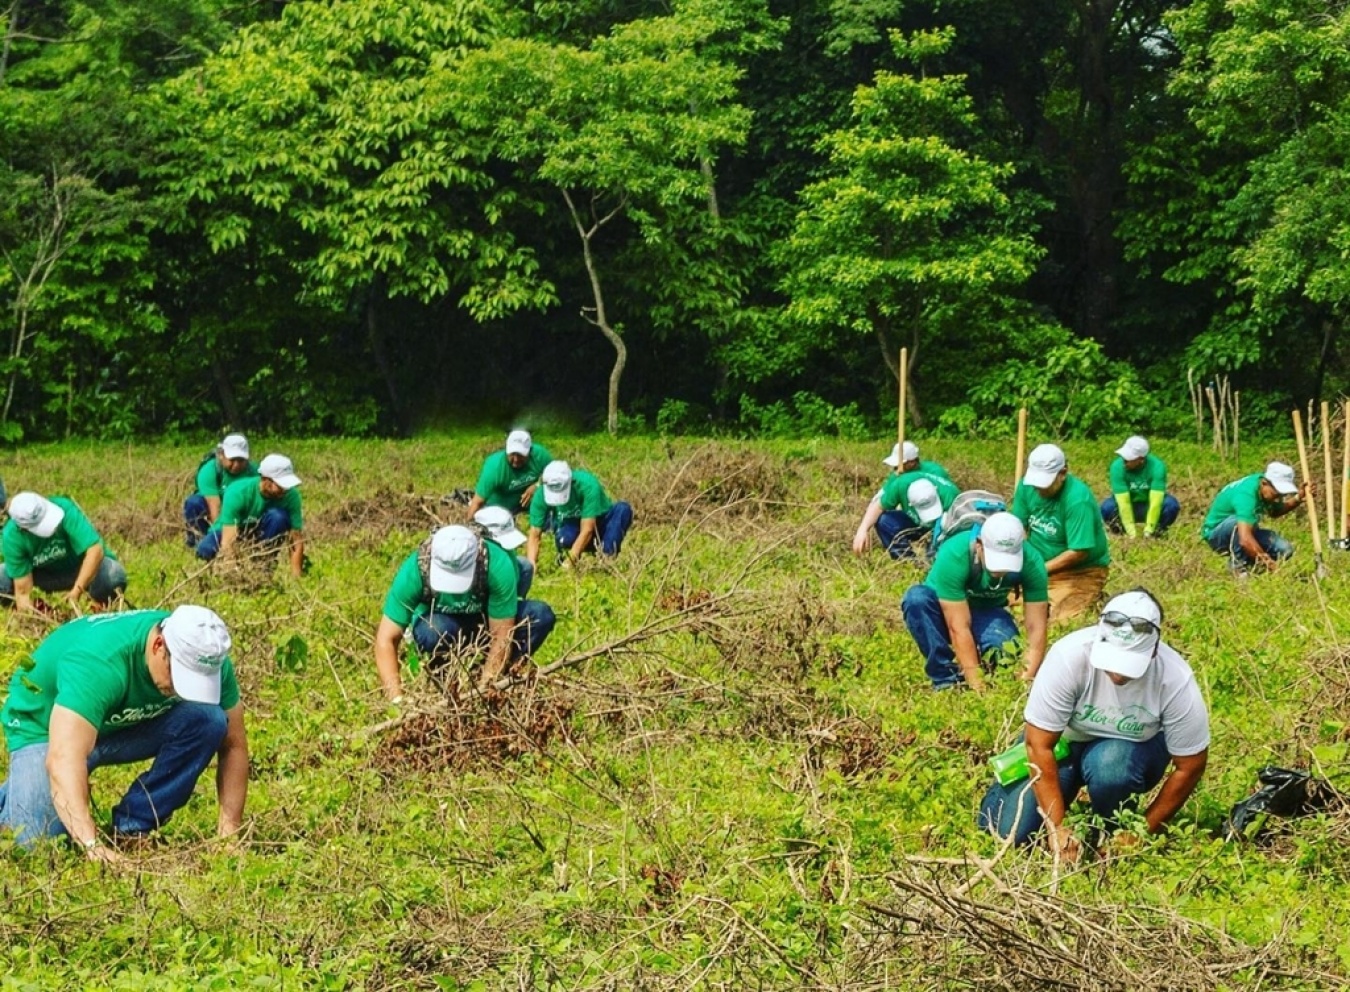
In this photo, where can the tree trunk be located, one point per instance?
(11, 30)
(600, 318)
(375, 336)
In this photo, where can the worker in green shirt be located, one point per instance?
(228, 463)
(891, 513)
(261, 511)
(113, 690)
(1064, 523)
(50, 544)
(1232, 528)
(445, 593)
(1139, 492)
(509, 477)
(581, 513)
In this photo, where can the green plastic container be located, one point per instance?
(1011, 765)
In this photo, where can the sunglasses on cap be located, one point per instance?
(1137, 624)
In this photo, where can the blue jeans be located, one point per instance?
(1111, 514)
(993, 629)
(438, 635)
(610, 530)
(110, 580)
(197, 518)
(898, 531)
(524, 576)
(1114, 771)
(182, 743)
(273, 524)
(1223, 539)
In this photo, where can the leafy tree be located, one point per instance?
(911, 230)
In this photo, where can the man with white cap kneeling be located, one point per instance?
(228, 464)
(1231, 526)
(906, 506)
(261, 510)
(116, 689)
(583, 516)
(499, 526)
(959, 615)
(1139, 496)
(444, 594)
(51, 545)
(1128, 706)
(509, 477)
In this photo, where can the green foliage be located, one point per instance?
(806, 416)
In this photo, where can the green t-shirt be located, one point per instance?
(94, 666)
(501, 485)
(243, 505)
(932, 468)
(1071, 521)
(895, 491)
(212, 480)
(1241, 499)
(587, 499)
(63, 550)
(955, 578)
(1150, 477)
(405, 601)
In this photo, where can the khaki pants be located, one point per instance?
(1076, 592)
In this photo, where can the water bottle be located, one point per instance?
(1011, 765)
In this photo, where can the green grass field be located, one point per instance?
(746, 784)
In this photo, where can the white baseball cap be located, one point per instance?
(454, 555)
(923, 499)
(1122, 648)
(1134, 447)
(501, 526)
(1002, 537)
(279, 469)
(1043, 464)
(234, 446)
(36, 514)
(557, 480)
(519, 443)
(199, 645)
(911, 452)
(1278, 474)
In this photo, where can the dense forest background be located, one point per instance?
(370, 216)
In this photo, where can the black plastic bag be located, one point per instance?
(1283, 792)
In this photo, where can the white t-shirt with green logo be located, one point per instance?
(1071, 696)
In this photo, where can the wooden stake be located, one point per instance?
(1345, 474)
(1312, 502)
(1237, 437)
(904, 395)
(1018, 469)
(1326, 470)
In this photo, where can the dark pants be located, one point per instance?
(273, 524)
(610, 529)
(993, 629)
(898, 531)
(1111, 514)
(110, 581)
(439, 635)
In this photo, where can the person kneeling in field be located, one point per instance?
(228, 464)
(1129, 706)
(1139, 493)
(509, 477)
(444, 593)
(959, 615)
(1064, 524)
(581, 512)
(50, 544)
(892, 511)
(260, 510)
(117, 689)
(1230, 527)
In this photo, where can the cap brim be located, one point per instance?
(51, 520)
(443, 580)
(1128, 662)
(892, 460)
(1123, 453)
(286, 481)
(1039, 478)
(193, 687)
(511, 540)
(557, 497)
(1284, 490)
(1002, 561)
(929, 513)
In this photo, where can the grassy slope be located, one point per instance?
(750, 801)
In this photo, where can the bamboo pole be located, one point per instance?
(1345, 474)
(1312, 501)
(904, 395)
(1019, 468)
(1237, 435)
(1214, 414)
(1326, 470)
